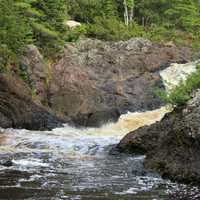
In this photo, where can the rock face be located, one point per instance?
(33, 63)
(172, 146)
(96, 81)
(17, 109)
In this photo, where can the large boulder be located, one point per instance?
(18, 110)
(96, 81)
(172, 146)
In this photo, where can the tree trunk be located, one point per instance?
(126, 17)
(131, 15)
(143, 21)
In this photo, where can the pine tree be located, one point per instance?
(55, 12)
(183, 14)
(110, 8)
(128, 10)
(15, 33)
(46, 17)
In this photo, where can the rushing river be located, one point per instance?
(71, 164)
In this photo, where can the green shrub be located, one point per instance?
(181, 94)
(7, 57)
(46, 19)
(75, 33)
(159, 33)
(113, 29)
(15, 34)
(49, 41)
(40, 29)
(28, 10)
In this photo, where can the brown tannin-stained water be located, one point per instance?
(74, 164)
(70, 163)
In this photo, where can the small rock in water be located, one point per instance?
(7, 163)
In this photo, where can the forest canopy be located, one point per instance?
(42, 22)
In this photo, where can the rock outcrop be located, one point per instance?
(18, 110)
(96, 81)
(34, 65)
(172, 146)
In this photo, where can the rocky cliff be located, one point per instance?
(92, 83)
(172, 146)
(95, 81)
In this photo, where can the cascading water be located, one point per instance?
(177, 73)
(70, 163)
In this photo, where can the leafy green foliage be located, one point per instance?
(130, 3)
(75, 33)
(181, 94)
(15, 33)
(110, 8)
(48, 40)
(42, 22)
(113, 29)
(183, 14)
(85, 10)
(30, 21)
(6, 57)
(160, 20)
(47, 21)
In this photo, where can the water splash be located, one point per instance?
(177, 73)
(74, 142)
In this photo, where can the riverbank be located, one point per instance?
(172, 146)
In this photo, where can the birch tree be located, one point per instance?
(128, 11)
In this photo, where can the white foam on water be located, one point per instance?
(30, 179)
(30, 162)
(77, 142)
(177, 73)
(144, 184)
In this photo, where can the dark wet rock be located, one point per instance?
(18, 110)
(184, 193)
(7, 163)
(172, 146)
(97, 118)
(96, 81)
